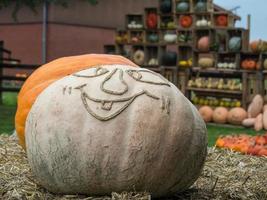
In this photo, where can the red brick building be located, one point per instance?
(79, 29)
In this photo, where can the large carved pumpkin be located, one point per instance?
(111, 126)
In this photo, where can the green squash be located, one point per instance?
(182, 7)
(169, 58)
(153, 37)
(166, 6)
(235, 44)
(201, 6)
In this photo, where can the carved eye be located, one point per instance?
(139, 75)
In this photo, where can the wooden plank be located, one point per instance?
(225, 125)
(10, 78)
(5, 50)
(18, 66)
(10, 60)
(4, 89)
(215, 90)
(1, 70)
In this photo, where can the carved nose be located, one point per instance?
(121, 87)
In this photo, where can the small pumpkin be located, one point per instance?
(182, 6)
(166, 6)
(153, 37)
(206, 113)
(220, 115)
(201, 6)
(244, 64)
(169, 58)
(206, 62)
(170, 37)
(249, 64)
(236, 116)
(203, 44)
(235, 44)
(186, 21)
(222, 20)
(152, 20)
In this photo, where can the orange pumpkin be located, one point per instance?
(222, 20)
(206, 113)
(254, 46)
(47, 74)
(186, 21)
(236, 116)
(220, 115)
(251, 64)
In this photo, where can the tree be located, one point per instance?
(32, 4)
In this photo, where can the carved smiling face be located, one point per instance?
(114, 90)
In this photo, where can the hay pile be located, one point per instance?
(226, 175)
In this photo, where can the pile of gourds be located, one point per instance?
(216, 83)
(203, 23)
(215, 102)
(252, 145)
(186, 63)
(226, 65)
(136, 38)
(135, 25)
(167, 24)
(222, 115)
(121, 38)
(257, 114)
(258, 46)
(184, 37)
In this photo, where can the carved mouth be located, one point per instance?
(92, 105)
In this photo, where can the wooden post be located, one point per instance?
(248, 26)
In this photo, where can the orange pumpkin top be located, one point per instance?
(51, 72)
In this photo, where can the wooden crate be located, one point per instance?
(252, 85)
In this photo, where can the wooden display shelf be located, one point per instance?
(207, 90)
(219, 37)
(216, 70)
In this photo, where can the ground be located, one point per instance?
(8, 110)
(226, 175)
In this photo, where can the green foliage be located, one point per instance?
(32, 4)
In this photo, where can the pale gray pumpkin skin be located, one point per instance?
(149, 146)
